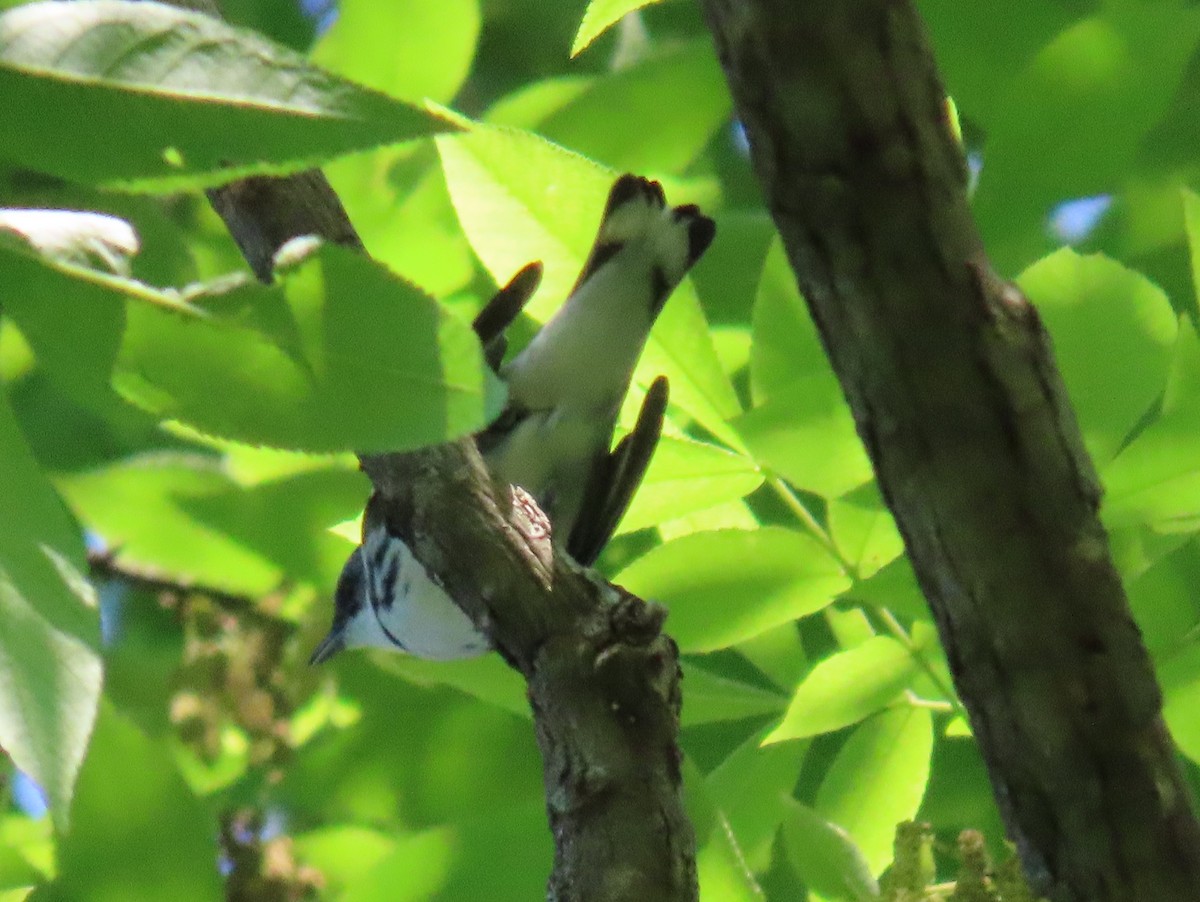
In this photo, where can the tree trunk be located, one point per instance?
(957, 397)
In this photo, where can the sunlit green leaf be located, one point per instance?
(411, 49)
(751, 787)
(878, 779)
(864, 531)
(339, 355)
(687, 476)
(199, 102)
(625, 119)
(726, 586)
(1113, 333)
(845, 688)
(182, 515)
(786, 347)
(805, 433)
(50, 669)
(713, 698)
(600, 15)
(73, 326)
(137, 831)
(455, 861)
(826, 856)
(1110, 74)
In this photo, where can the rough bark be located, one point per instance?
(603, 680)
(956, 395)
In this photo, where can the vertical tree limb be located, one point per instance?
(956, 395)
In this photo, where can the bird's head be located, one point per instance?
(354, 622)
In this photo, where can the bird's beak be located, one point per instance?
(330, 646)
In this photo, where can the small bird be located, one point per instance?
(553, 438)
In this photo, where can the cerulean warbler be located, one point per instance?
(553, 438)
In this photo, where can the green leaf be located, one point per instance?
(26, 855)
(1155, 481)
(826, 857)
(686, 476)
(73, 326)
(1113, 333)
(50, 669)
(343, 851)
(141, 508)
(454, 861)
(137, 833)
(982, 47)
(710, 698)
(599, 16)
(182, 515)
(726, 586)
(847, 687)
(864, 531)
(878, 779)
(1179, 676)
(402, 212)
(411, 49)
(1163, 600)
(1191, 221)
(338, 355)
(805, 433)
(520, 198)
(786, 347)
(751, 787)
(487, 678)
(625, 119)
(721, 868)
(1070, 121)
(199, 102)
(893, 587)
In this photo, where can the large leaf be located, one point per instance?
(182, 515)
(185, 99)
(138, 833)
(625, 119)
(520, 198)
(711, 698)
(1113, 333)
(786, 346)
(805, 433)
(864, 531)
(599, 16)
(687, 476)
(751, 787)
(338, 355)
(50, 669)
(878, 779)
(726, 586)
(826, 856)
(1155, 481)
(1069, 122)
(846, 687)
(73, 327)
(411, 49)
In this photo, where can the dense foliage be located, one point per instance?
(184, 437)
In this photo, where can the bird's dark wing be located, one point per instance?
(500, 312)
(615, 477)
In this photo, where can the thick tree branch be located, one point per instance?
(956, 394)
(603, 680)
